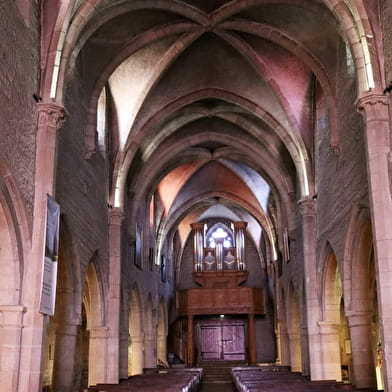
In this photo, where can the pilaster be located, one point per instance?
(11, 326)
(307, 211)
(376, 113)
(51, 117)
(97, 367)
(364, 374)
(64, 361)
(329, 336)
(116, 217)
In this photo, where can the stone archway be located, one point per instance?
(14, 239)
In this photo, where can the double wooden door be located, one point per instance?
(222, 340)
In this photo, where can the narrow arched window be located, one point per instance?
(221, 232)
(102, 122)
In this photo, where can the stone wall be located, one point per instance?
(386, 17)
(81, 184)
(19, 80)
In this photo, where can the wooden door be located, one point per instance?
(222, 340)
(210, 338)
(233, 342)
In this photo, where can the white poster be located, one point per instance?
(49, 274)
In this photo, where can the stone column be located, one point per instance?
(114, 298)
(364, 373)
(283, 346)
(307, 211)
(64, 357)
(50, 119)
(252, 357)
(150, 358)
(162, 348)
(191, 354)
(330, 345)
(11, 332)
(375, 109)
(97, 363)
(124, 339)
(304, 350)
(137, 354)
(295, 351)
(198, 245)
(239, 228)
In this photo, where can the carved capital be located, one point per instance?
(374, 107)
(307, 207)
(116, 216)
(51, 115)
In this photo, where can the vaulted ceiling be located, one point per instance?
(214, 102)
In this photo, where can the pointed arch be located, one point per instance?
(93, 296)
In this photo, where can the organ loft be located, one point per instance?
(220, 268)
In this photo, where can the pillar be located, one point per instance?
(64, 358)
(330, 345)
(11, 332)
(150, 358)
(283, 346)
(162, 348)
(198, 245)
(307, 211)
(295, 351)
(137, 354)
(50, 119)
(113, 308)
(304, 350)
(97, 356)
(364, 373)
(239, 228)
(124, 339)
(190, 347)
(375, 109)
(252, 359)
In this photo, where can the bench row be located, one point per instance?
(259, 379)
(163, 380)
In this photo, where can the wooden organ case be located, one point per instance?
(219, 271)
